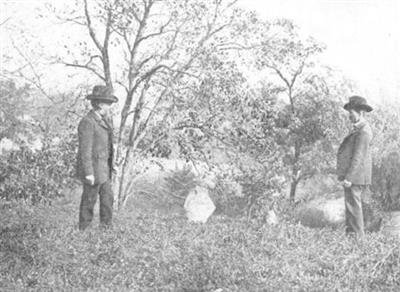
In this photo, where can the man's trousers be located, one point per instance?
(354, 211)
(88, 201)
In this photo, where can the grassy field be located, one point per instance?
(150, 249)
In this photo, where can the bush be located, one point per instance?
(179, 183)
(160, 189)
(228, 197)
(386, 156)
(386, 183)
(37, 176)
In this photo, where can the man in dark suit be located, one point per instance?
(95, 158)
(354, 163)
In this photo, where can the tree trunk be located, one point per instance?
(125, 165)
(295, 171)
(293, 188)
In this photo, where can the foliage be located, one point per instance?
(13, 100)
(179, 183)
(42, 249)
(309, 121)
(228, 197)
(44, 163)
(37, 176)
(218, 120)
(386, 163)
(157, 142)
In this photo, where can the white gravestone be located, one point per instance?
(198, 205)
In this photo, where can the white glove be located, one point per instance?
(347, 184)
(90, 179)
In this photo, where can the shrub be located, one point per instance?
(386, 156)
(37, 176)
(179, 182)
(164, 190)
(247, 189)
(228, 197)
(386, 184)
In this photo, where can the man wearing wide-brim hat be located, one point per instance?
(95, 158)
(354, 163)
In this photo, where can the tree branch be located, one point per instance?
(4, 21)
(106, 57)
(89, 26)
(280, 74)
(232, 3)
(137, 114)
(108, 30)
(236, 46)
(36, 81)
(160, 32)
(142, 25)
(297, 73)
(85, 66)
(73, 20)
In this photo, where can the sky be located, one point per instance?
(362, 36)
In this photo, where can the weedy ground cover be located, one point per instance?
(42, 250)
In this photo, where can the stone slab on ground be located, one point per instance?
(322, 212)
(392, 227)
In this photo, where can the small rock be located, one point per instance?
(272, 219)
(8, 145)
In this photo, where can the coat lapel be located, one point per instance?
(356, 129)
(107, 123)
(100, 121)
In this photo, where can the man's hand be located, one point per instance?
(346, 183)
(90, 179)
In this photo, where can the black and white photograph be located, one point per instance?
(200, 145)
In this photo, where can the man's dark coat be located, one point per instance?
(95, 152)
(354, 162)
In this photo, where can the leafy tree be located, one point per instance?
(158, 43)
(260, 132)
(311, 120)
(219, 120)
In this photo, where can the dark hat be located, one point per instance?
(102, 93)
(357, 102)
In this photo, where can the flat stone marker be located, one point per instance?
(392, 227)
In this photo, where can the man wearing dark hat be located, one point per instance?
(354, 163)
(95, 157)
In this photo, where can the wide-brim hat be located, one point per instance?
(357, 103)
(102, 93)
